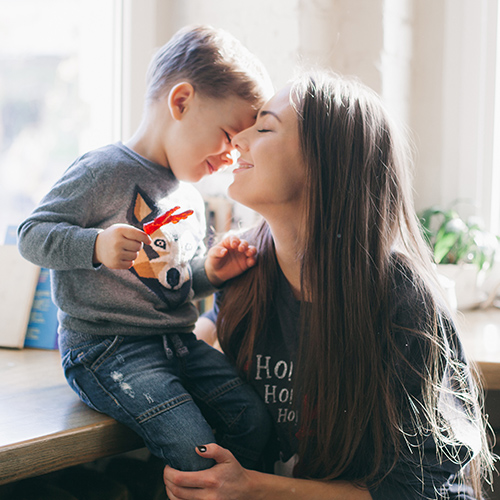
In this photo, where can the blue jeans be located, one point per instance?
(174, 391)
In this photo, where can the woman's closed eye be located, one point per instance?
(263, 130)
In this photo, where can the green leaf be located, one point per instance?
(443, 246)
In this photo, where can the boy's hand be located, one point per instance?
(228, 259)
(118, 246)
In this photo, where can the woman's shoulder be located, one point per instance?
(411, 300)
(418, 315)
(415, 289)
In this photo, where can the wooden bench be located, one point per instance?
(44, 427)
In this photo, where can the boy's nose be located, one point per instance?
(226, 157)
(221, 160)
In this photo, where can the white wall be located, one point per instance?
(270, 29)
(370, 39)
(397, 57)
(422, 56)
(427, 97)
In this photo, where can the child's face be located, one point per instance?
(201, 143)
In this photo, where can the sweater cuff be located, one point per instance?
(201, 284)
(89, 246)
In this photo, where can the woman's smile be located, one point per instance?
(242, 166)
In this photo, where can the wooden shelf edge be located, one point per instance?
(67, 449)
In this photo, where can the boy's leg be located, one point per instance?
(133, 380)
(230, 405)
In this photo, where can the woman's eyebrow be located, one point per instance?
(272, 113)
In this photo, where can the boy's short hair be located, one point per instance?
(215, 63)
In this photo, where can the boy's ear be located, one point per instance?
(179, 98)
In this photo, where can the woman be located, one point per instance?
(340, 327)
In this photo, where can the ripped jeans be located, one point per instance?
(174, 391)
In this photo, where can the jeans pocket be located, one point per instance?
(91, 356)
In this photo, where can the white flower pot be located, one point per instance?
(467, 279)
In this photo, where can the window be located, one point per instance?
(471, 170)
(495, 175)
(58, 93)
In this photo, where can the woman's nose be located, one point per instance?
(239, 142)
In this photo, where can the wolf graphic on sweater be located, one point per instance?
(163, 266)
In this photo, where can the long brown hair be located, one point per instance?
(359, 214)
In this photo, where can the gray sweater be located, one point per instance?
(104, 187)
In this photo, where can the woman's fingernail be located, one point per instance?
(202, 449)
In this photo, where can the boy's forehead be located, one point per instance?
(241, 114)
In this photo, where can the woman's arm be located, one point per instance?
(269, 487)
(227, 480)
(205, 330)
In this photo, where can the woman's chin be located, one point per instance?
(238, 193)
(233, 191)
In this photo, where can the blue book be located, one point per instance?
(11, 236)
(42, 326)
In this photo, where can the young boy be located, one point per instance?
(124, 296)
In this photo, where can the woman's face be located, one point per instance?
(270, 175)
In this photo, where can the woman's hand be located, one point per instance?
(225, 480)
(228, 480)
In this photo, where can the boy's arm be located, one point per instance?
(58, 234)
(228, 259)
(59, 246)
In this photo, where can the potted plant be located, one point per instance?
(462, 249)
